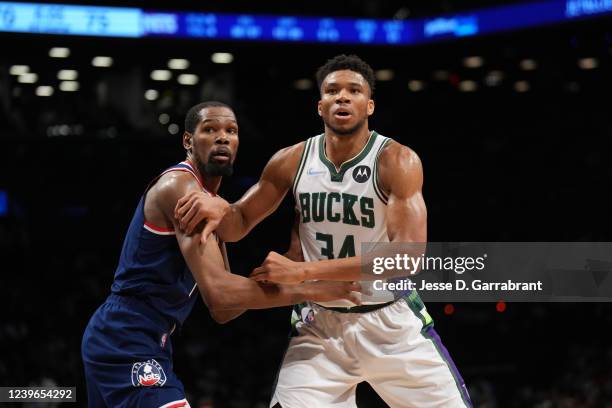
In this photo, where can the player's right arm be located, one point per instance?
(256, 204)
(220, 289)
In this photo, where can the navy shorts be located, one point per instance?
(127, 355)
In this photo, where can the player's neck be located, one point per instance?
(341, 148)
(212, 183)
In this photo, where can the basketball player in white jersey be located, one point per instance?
(351, 185)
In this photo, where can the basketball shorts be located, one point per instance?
(127, 355)
(394, 348)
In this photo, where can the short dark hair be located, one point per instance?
(193, 114)
(350, 62)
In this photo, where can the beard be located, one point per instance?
(344, 132)
(218, 169)
(213, 169)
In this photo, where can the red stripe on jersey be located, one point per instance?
(158, 229)
(179, 404)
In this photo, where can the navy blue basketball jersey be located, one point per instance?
(152, 268)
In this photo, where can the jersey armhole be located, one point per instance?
(379, 191)
(301, 166)
(154, 228)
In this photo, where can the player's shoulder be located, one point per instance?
(288, 157)
(173, 184)
(292, 151)
(394, 153)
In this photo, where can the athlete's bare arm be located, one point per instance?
(257, 203)
(221, 290)
(401, 178)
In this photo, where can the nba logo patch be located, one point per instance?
(148, 374)
(307, 315)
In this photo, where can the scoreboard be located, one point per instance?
(133, 22)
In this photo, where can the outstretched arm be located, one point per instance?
(220, 289)
(257, 203)
(401, 178)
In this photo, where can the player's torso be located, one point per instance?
(340, 208)
(152, 268)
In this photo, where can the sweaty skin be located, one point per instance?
(345, 106)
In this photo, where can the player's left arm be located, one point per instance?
(224, 316)
(400, 175)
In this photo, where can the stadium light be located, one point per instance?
(161, 75)
(415, 85)
(59, 52)
(494, 78)
(69, 86)
(385, 74)
(449, 309)
(521, 86)
(303, 84)
(67, 75)
(102, 62)
(473, 62)
(588, 63)
(222, 58)
(19, 69)
(27, 78)
(164, 118)
(173, 129)
(468, 86)
(44, 90)
(188, 79)
(178, 63)
(528, 64)
(151, 94)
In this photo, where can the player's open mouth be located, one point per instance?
(342, 115)
(221, 156)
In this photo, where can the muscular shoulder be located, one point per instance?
(396, 154)
(398, 163)
(290, 154)
(164, 194)
(285, 162)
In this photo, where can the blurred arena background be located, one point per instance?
(514, 130)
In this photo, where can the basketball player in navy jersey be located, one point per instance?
(351, 185)
(126, 348)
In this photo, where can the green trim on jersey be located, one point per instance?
(379, 192)
(302, 164)
(337, 176)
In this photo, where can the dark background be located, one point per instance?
(499, 165)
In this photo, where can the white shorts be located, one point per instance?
(394, 348)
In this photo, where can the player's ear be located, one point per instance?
(370, 107)
(319, 107)
(187, 141)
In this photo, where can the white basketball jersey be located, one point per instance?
(341, 208)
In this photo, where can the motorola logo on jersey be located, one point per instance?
(361, 174)
(147, 374)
